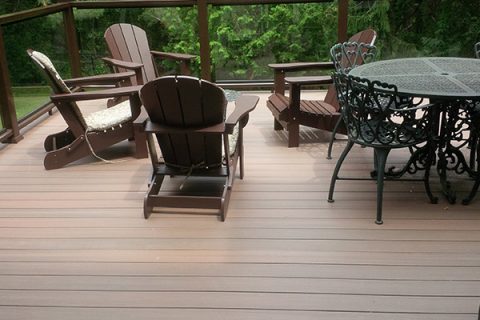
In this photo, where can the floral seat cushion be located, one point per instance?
(109, 118)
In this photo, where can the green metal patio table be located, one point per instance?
(453, 86)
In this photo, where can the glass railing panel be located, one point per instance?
(245, 39)
(44, 34)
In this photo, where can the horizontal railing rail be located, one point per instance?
(33, 13)
(11, 132)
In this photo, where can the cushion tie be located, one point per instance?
(200, 165)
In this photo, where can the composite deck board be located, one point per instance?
(74, 244)
(47, 313)
(243, 270)
(238, 300)
(235, 233)
(239, 284)
(169, 221)
(265, 245)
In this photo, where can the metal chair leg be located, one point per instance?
(347, 149)
(332, 138)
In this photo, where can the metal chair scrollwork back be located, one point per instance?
(346, 56)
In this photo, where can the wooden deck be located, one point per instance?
(74, 244)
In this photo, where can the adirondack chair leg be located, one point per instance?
(224, 202)
(140, 138)
(293, 134)
(147, 210)
(60, 157)
(154, 188)
(277, 125)
(242, 161)
(58, 140)
(240, 154)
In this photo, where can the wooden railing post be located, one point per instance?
(205, 61)
(72, 41)
(7, 105)
(342, 20)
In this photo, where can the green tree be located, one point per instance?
(245, 38)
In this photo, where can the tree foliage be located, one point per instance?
(245, 38)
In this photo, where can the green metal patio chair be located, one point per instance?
(376, 116)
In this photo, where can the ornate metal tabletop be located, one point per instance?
(453, 84)
(435, 77)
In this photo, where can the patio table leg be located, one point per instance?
(455, 121)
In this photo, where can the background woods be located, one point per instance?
(244, 39)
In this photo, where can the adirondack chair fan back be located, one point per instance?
(129, 49)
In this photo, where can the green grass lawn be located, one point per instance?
(28, 99)
(26, 104)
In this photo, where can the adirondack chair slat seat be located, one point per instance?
(87, 134)
(291, 112)
(279, 105)
(187, 118)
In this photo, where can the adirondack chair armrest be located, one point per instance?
(300, 66)
(296, 84)
(243, 106)
(122, 64)
(280, 70)
(103, 79)
(136, 67)
(93, 95)
(151, 127)
(173, 56)
(312, 80)
(182, 59)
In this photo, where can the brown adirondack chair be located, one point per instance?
(129, 50)
(187, 116)
(87, 134)
(291, 111)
